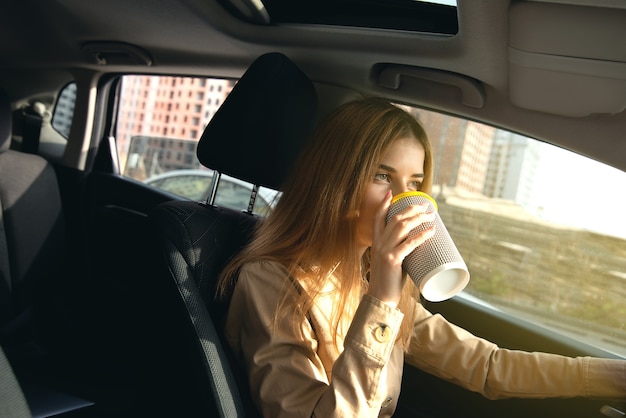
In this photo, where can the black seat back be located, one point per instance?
(255, 136)
(32, 231)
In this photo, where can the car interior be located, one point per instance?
(107, 289)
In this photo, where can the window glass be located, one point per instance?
(159, 123)
(434, 16)
(64, 110)
(540, 228)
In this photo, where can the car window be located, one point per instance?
(427, 16)
(64, 110)
(160, 120)
(542, 235)
(231, 193)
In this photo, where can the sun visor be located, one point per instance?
(567, 60)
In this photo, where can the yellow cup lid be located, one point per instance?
(414, 193)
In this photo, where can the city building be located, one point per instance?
(166, 117)
(513, 168)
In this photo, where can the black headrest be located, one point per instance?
(263, 124)
(6, 121)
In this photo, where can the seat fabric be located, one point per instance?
(196, 241)
(12, 401)
(32, 231)
(255, 136)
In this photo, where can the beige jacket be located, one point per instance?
(303, 374)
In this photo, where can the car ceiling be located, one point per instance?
(497, 69)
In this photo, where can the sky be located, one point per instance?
(448, 2)
(578, 191)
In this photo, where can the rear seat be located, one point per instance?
(32, 264)
(32, 236)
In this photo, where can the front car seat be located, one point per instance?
(254, 136)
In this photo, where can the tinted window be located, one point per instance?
(64, 110)
(437, 16)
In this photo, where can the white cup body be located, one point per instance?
(436, 266)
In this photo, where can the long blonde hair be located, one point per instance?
(310, 231)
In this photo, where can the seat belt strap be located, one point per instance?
(12, 401)
(33, 119)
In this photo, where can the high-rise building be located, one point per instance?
(161, 119)
(474, 158)
(447, 136)
(460, 150)
(513, 168)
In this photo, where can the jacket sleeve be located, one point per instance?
(286, 375)
(447, 351)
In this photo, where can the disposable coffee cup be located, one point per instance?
(436, 266)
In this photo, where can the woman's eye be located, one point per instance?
(416, 185)
(382, 177)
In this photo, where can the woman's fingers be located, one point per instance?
(414, 218)
(416, 239)
(381, 213)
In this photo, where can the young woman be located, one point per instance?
(322, 315)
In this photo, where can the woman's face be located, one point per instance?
(401, 169)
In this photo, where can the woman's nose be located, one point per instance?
(399, 188)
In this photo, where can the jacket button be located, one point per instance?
(382, 333)
(386, 402)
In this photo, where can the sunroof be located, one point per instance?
(436, 16)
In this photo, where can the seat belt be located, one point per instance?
(12, 401)
(32, 117)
